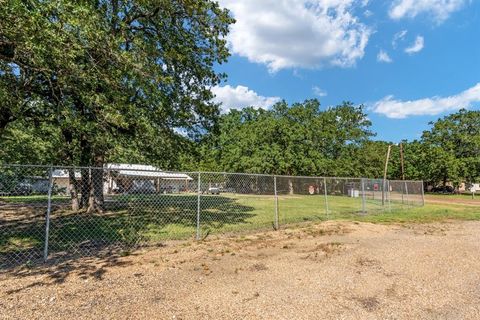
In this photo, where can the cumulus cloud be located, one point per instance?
(319, 91)
(383, 56)
(240, 97)
(417, 46)
(440, 10)
(393, 108)
(307, 34)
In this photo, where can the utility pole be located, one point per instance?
(385, 174)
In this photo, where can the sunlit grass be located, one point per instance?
(152, 218)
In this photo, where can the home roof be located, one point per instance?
(130, 170)
(140, 170)
(63, 173)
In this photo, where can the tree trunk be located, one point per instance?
(73, 189)
(85, 161)
(290, 186)
(97, 201)
(73, 186)
(85, 188)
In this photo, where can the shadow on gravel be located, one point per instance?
(55, 272)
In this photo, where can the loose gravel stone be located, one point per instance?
(331, 270)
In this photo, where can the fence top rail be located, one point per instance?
(416, 181)
(66, 167)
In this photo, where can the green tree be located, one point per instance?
(299, 139)
(112, 76)
(453, 146)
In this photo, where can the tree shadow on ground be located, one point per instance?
(127, 223)
(56, 272)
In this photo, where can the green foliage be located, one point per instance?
(294, 140)
(84, 82)
(453, 148)
(303, 140)
(114, 78)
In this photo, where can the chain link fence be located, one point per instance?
(58, 212)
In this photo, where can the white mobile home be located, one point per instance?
(131, 178)
(134, 178)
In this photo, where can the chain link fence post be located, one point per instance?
(326, 195)
(423, 194)
(49, 208)
(276, 224)
(406, 194)
(198, 207)
(403, 194)
(364, 209)
(389, 195)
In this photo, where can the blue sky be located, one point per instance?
(410, 62)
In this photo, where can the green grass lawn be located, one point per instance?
(32, 199)
(463, 196)
(134, 219)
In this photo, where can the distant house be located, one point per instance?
(134, 178)
(461, 188)
(61, 178)
(131, 178)
(475, 187)
(467, 187)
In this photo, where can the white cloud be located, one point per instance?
(399, 36)
(308, 34)
(367, 13)
(319, 91)
(383, 56)
(440, 10)
(417, 46)
(398, 109)
(240, 97)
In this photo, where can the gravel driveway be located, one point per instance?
(332, 270)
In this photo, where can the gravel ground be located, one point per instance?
(332, 270)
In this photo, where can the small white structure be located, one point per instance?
(131, 178)
(61, 178)
(136, 178)
(353, 193)
(475, 188)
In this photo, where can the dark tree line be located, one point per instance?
(107, 79)
(304, 140)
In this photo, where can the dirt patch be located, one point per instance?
(366, 262)
(369, 303)
(258, 267)
(315, 271)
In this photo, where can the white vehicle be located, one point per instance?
(214, 190)
(475, 188)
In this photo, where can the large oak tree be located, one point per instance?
(110, 76)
